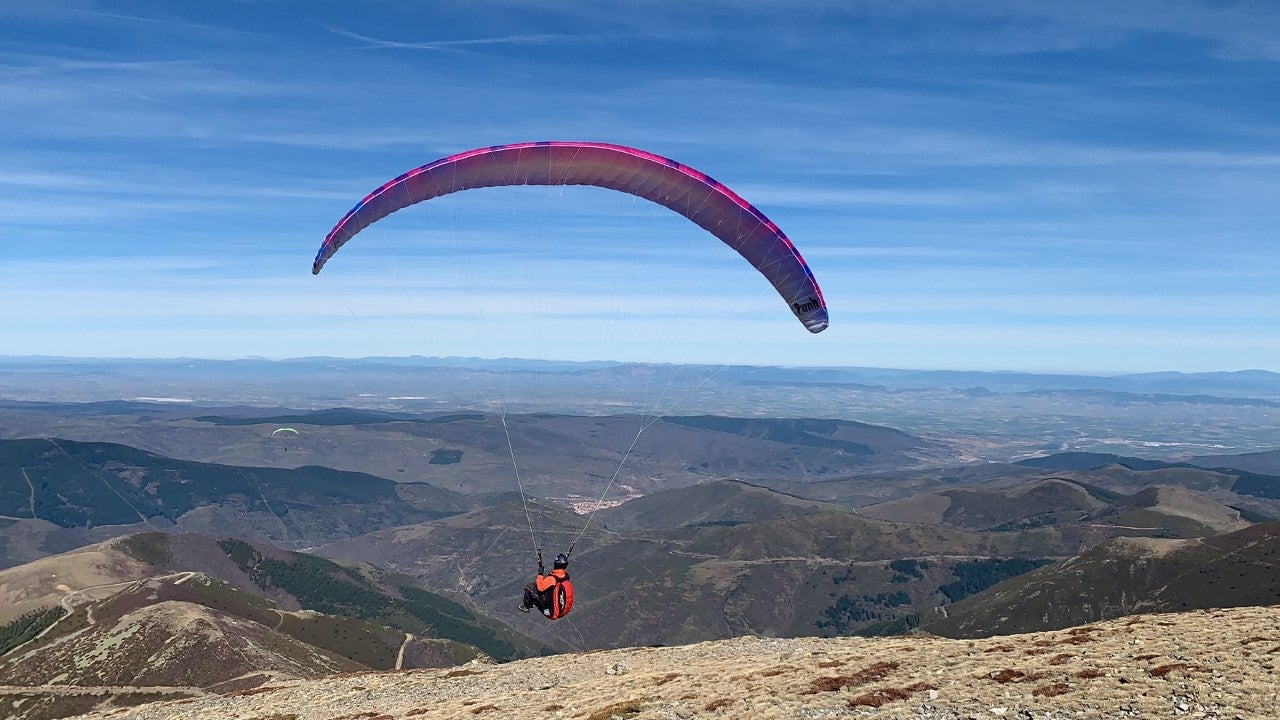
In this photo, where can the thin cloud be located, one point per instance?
(456, 45)
(166, 22)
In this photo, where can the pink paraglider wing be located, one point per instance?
(693, 194)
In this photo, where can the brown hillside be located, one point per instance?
(168, 644)
(1208, 664)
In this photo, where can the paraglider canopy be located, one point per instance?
(277, 431)
(691, 193)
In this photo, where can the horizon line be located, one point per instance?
(373, 358)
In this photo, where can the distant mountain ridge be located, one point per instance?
(1266, 488)
(1260, 384)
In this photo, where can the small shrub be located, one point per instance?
(1185, 669)
(1089, 673)
(1060, 658)
(717, 704)
(1006, 675)
(877, 698)
(1050, 690)
(872, 673)
(626, 709)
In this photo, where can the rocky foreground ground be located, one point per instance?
(1204, 664)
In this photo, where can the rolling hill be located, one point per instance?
(1084, 511)
(360, 614)
(712, 561)
(1123, 577)
(1265, 463)
(92, 490)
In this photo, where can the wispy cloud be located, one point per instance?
(169, 22)
(467, 43)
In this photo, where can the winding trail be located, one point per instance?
(32, 499)
(400, 652)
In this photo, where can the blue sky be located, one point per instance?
(1023, 185)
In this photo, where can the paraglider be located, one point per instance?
(678, 187)
(551, 593)
(691, 193)
(285, 432)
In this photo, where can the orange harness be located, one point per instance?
(557, 586)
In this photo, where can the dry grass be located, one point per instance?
(462, 673)
(755, 677)
(830, 663)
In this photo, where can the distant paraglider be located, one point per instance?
(285, 432)
(714, 207)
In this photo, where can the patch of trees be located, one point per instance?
(151, 548)
(905, 570)
(885, 628)
(27, 626)
(978, 575)
(847, 612)
(1252, 516)
(445, 456)
(1264, 486)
